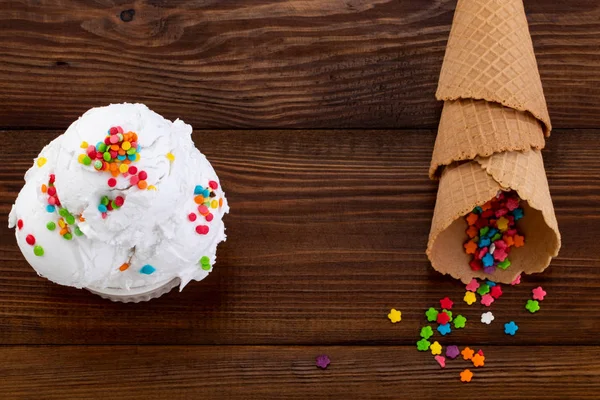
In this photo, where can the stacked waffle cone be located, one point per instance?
(493, 126)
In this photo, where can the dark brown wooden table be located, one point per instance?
(319, 117)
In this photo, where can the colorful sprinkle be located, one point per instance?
(213, 185)
(205, 263)
(460, 322)
(446, 303)
(41, 161)
(322, 361)
(192, 217)
(466, 376)
(143, 175)
(30, 239)
(426, 332)
(452, 352)
(395, 316)
(112, 182)
(436, 348)
(444, 329)
(470, 298)
(538, 293)
(51, 226)
(431, 314)
(532, 305)
(467, 353)
(124, 267)
(487, 300)
(443, 318)
(423, 345)
(147, 269)
(202, 229)
(20, 224)
(440, 360)
(487, 317)
(38, 250)
(170, 157)
(78, 231)
(511, 328)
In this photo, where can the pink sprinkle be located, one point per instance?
(99, 156)
(119, 129)
(112, 182)
(114, 139)
(501, 212)
(134, 145)
(487, 300)
(441, 360)
(192, 216)
(133, 170)
(91, 148)
(512, 203)
(52, 200)
(480, 352)
(104, 215)
(134, 180)
(143, 175)
(113, 153)
(500, 254)
(202, 229)
(213, 185)
(516, 281)
(473, 285)
(202, 209)
(119, 201)
(209, 217)
(539, 293)
(500, 244)
(482, 252)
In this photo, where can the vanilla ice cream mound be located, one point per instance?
(123, 199)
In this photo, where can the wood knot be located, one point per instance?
(127, 15)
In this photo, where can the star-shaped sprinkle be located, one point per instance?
(473, 285)
(500, 254)
(431, 314)
(516, 281)
(487, 300)
(480, 352)
(466, 376)
(496, 292)
(511, 328)
(444, 329)
(483, 289)
(436, 348)
(538, 293)
(443, 318)
(478, 360)
(426, 332)
(502, 224)
(395, 316)
(446, 303)
(519, 241)
(487, 317)
(423, 345)
(322, 361)
(470, 298)
(449, 313)
(532, 306)
(441, 360)
(452, 351)
(472, 218)
(512, 203)
(470, 247)
(459, 321)
(467, 353)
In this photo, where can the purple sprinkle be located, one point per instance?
(489, 270)
(323, 361)
(452, 352)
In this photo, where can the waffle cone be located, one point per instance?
(490, 56)
(489, 138)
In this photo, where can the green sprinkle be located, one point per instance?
(131, 151)
(483, 289)
(63, 212)
(426, 332)
(423, 345)
(431, 314)
(51, 226)
(205, 260)
(70, 219)
(449, 314)
(106, 156)
(114, 205)
(483, 231)
(102, 147)
(78, 231)
(504, 264)
(104, 201)
(87, 160)
(68, 236)
(459, 321)
(496, 236)
(38, 250)
(98, 164)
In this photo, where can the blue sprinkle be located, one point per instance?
(488, 260)
(518, 213)
(444, 329)
(120, 157)
(198, 189)
(484, 242)
(50, 208)
(206, 193)
(131, 157)
(147, 269)
(490, 283)
(137, 149)
(477, 210)
(102, 208)
(492, 232)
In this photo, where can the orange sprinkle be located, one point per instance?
(63, 231)
(122, 152)
(133, 137)
(472, 218)
(519, 240)
(509, 240)
(81, 219)
(114, 147)
(124, 267)
(220, 202)
(44, 188)
(472, 231)
(199, 199)
(128, 161)
(115, 173)
(113, 166)
(142, 184)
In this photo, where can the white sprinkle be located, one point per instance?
(487, 317)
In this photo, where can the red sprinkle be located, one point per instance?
(134, 180)
(52, 201)
(109, 206)
(113, 131)
(51, 191)
(143, 175)
(209, 217)
(192, 216)
(213, 185)
(202, 229)
(112, 182)
(107, 140)
(20, 224)
(119, 129)
(30, 240)
(119, 201)
(202, 209)
(104, 215)
(133, 170)
(52, 177)
(113, 153)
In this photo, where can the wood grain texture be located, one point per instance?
(258, 372)
(268, 63)
(327, 232)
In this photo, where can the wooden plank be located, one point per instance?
(327, 232)
(268, 63)
(250, 372)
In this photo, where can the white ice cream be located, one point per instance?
(152, 226)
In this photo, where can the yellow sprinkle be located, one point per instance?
(84, 145)
(171, 157)
(214, 204)
(125, 145)
(61, 223)
(80, 158)
(41, 161)
(152, 187)
(137, 156)
(123, 168)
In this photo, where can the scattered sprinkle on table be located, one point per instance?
(436, 348)
(470, 298)
(487, 300)
(532, 306)
(466, 376)
(426, 332)
(444, 329)
(460, 322)
(440, 360)
(487, 317)
(467, 353)
(538, 293)
(423, 345)
(452, 352)
(147, 269)
(431, 314)
(446, 303)
(478, 360)
(323, 361)
(510, 328)
(395, 316)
